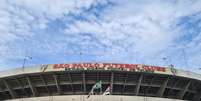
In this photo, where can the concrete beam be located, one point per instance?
(84, 82)
(20, 84)
(182, 93)
(70, 78)
(124, 85)
(57, 84)
(112, 82)
(151, 82)
(33, 89)
(10, 89)
(163, 87)
(45, 83)
(138, 84)
(174, 86)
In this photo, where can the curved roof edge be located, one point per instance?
(101, 66)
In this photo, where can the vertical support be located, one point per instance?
(97, 76)
(84, 82)
(20, 84)
(125, 80)
(33, 89)
(70, 78)
(111, 82)
(182, 93)
(45, 83)
(57, 84)
(163, 87)
(138, 84)
(174, 85)
(10, 90)
(151, 82)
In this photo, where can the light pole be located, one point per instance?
(24, 61)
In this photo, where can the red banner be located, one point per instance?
(110, 66)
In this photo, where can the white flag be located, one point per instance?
(107, 91)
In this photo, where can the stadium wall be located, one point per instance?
(94, 98)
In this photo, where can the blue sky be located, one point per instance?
(117, 31)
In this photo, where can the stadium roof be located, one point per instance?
(78, 79)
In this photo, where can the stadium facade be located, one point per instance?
(75, 82)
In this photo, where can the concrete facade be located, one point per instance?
(94, 98)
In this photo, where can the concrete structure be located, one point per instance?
(93, 98)
(72, 82)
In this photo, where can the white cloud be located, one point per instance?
(21, 21)
(124, 31)
(55, 8)
(147, 29)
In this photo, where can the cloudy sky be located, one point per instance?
(155, 32)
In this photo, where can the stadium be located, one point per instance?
(99, 82)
